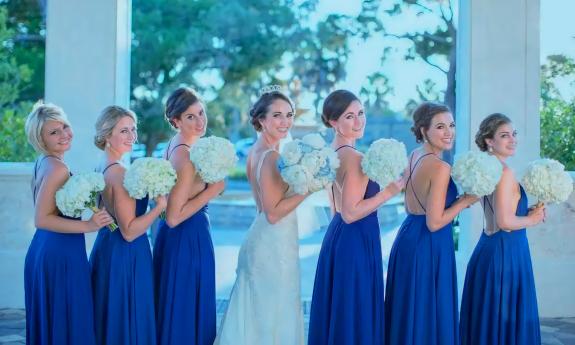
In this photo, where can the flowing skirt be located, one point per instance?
(185, 281)
(347, 305)
(123, 289)
(499, 304)
(59, 308)
(421, 294)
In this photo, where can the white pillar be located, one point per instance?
(87, 66)
(498, 70)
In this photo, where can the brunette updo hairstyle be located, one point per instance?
(261, 107)
(178, 102)
(335, 104)
(488, 127)
(422, 116)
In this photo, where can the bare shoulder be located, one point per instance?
(349, 156)
(54, 166)
(115, 174)
(508, 176)
(269, 158)
(180, 158)
(433, 164)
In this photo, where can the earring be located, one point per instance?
(490, 149)
(107, 144)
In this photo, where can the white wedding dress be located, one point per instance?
(265, 305)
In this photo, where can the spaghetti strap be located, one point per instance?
(36, 165)
(410, 181)
(106, 168)
(342, 146)
(169, 153)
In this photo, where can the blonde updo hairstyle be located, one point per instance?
(40, 114)
(106, 122)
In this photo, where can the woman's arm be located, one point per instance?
(506, 197)
(180, 205)
(437, 216)
(131, 227)
(272, 191)
(353, 205)
(46, 213)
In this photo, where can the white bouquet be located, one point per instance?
(477, 173)
(547, 180)
(213, 157)
(80, 193)
(384, 161)
(149, 176)
(308, 164)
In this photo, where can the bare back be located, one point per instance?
(418, 182)
(255, 161)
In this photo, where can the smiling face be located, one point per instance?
(504, 141)
(278, 120)
(351, 124)
(123, 136)
(57, 137)
(193, 121)
(441, 132)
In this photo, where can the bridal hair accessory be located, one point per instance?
(270, 89)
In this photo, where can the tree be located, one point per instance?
(557, 113)
(226, 50)
(435, 46)
(14, 78)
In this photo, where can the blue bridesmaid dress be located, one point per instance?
(123, 287)
(421, 295)
(347, 304)
(499, 304)
(185, 282)
(59, 308)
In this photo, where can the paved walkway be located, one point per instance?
(12, 322)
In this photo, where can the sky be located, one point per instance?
(557, 32)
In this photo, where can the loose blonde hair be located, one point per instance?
(40, 114)
(106, 122)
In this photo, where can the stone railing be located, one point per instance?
(16, 230)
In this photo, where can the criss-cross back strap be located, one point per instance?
(332, 191)
(410, 181)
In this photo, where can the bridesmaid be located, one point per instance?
(499, 304)
(183, 253)
(122, 260)
(347, 305)
(421, 296)
(59, 308)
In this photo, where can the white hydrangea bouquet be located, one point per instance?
(384, 161)
(547, 180)
(308, 164)
(80, 193)
(477, 173)
(213, 157)
(149, 176)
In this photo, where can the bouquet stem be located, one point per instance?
(112, 226)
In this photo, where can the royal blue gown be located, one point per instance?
(421, 294)
(499, 304)
(58, 294)
(122, 280)
(347, 304)
(185, 282)
(59, 308)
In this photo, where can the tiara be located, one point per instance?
(270, 89)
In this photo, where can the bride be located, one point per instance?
(265, 306)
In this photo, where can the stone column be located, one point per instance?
(87, 66)
(498, 70)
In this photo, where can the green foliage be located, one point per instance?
(13, 79)
(226, 50)
(557, 113)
